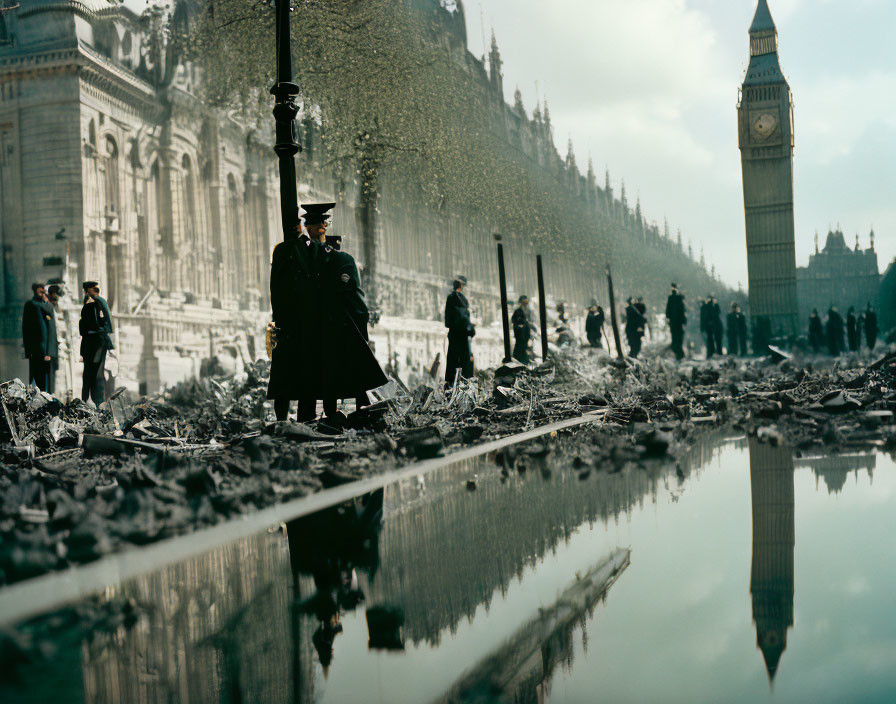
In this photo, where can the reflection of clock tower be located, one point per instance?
(765, 127)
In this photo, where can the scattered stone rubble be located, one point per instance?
(78, 483)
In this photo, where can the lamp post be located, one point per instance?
(285, 110)
(502, 281)
(542, 309)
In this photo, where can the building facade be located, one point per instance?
(765, 129)
(838, 276)
(113, 168)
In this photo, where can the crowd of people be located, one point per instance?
(320, 313)
(830, 333)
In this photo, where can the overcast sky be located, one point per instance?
(649, 88)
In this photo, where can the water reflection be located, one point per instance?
(771, 575)
(261, 619)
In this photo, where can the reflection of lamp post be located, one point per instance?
(285, 111)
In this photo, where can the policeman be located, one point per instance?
(676, 316)
(594, 324)
(522, 330)
(95, 327)
(634, 327)
(460, 331)
(317, 306)
(731, 328)
(39, 338)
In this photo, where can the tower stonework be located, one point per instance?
(765, 131)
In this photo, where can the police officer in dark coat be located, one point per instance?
(677, 318)
(731, 329)
(717, 329)
(39, 338)
(869, 318)
(835, 332)
(852, 329)
(95, 327)
(594, 324)
(634, 327)
(318, 305)
(460, 331)
(816, 331)
(706, 327)
(522, 330)
(742, 332)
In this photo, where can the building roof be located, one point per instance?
(762, 20)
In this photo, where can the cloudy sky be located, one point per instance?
(649, 89)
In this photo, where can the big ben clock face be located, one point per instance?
(763, 125)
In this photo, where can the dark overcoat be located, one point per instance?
(36, 331)
(675, 310)
(594, 325)
(321, 317)
(95, 327)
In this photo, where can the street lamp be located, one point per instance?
(285, 111)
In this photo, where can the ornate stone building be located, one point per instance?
(113, 168)
(838, 276)
(765, 128)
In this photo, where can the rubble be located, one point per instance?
(79, 482)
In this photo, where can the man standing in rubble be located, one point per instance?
(522, 330)
(594, 324)
(95, 327)
(39, 338)
(676, 317)
(460, 331)
(318, 305)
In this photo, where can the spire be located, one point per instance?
(857, 242)
(816, 241)
(872, 238)
(763, 33)
(762, 20)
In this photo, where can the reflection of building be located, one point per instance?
(765, 123)
(839, 276)
(835, 469)
(771, 576)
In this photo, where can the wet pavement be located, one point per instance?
(740, 574)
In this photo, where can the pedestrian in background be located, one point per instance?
(39, 338)
(676, 316)
(95, 327)
(594, 325)
(460, 333)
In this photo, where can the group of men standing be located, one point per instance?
(830, 333)
(713, 329)
(41, 338)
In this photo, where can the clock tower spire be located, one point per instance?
(765, 130)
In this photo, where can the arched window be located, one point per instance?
(189, 198)
(111, 176)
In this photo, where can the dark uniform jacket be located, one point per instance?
(522, 325)
(95, 327)
(321, 317)
(675, 312)
(634, 321)
(39, 330)
(594, 324)
(457, 317)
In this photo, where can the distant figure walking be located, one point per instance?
(716, 329)
(869, 318)
(835, 332)
(676, 316)
(706, 327)
(852, 329)
(594, 325)
(460, 332)
(816, 331)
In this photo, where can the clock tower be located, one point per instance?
(765, 131)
